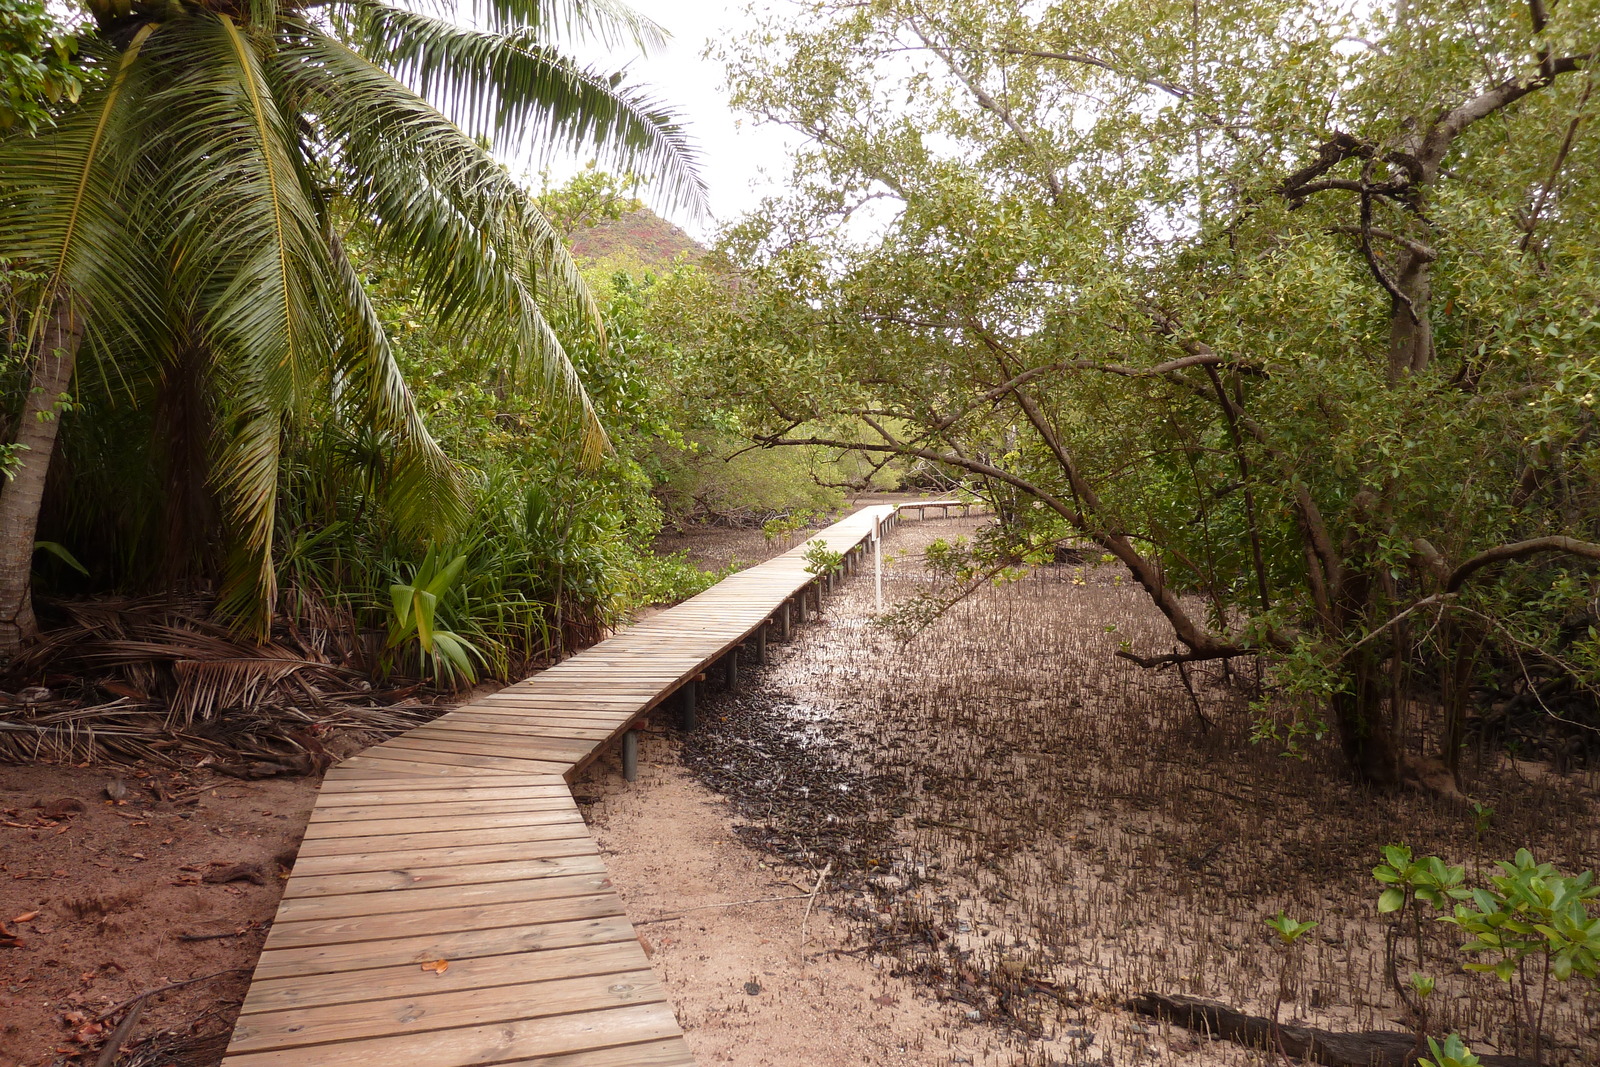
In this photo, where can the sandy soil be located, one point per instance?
(1039, 830)
(990, 893)
(756, 982)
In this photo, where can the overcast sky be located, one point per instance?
(739, 161)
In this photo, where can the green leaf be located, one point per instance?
(1391, 900)
(401, 597)
(60, 552)
(427, 604)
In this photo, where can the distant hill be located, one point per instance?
(640, 238)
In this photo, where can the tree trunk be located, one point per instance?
(1370, 746)
(1410, 328)
(21, 496)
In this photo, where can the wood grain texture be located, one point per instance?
(458, 846)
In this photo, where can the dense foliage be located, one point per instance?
(186, 223)
(194, 221)
(1292, 310)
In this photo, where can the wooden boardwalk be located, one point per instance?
(448, 906)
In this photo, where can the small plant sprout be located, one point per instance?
(1453, 1053)
(1422, 985)
(1288, 930)
(1410, 885)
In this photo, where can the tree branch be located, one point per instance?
(990, 104)
(1450, 125)
(1519, 550)
(1415, 247)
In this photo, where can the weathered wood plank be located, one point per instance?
(411, 901)
(390, 928)
(449, 853)
(294, 963)
(351, 846)
(494, 1044)
(425, 877)
(410, 980)
(459, 841)
(441, 1008)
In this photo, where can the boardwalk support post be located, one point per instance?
(732, 664)
(877, 569)
(630, 756)
(761, 643)
(804, 603)
(686, 705)
(784, 624)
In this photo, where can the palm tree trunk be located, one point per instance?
(21, 496)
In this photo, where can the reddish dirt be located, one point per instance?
(107, 899)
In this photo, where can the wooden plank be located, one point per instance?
(392, 928)
(552, 719)
(542, 784)
(341, 846)
(520, 725)
(302, 885)
(494, 1044)
(410, 980)
(458, 944)
(565, 749)
(532, 749)
(391, 752)
(374, 766)
(442, 1008)
(408, 903)
(291, 963)
(471, 823)
(451, 853)
(402, 807)
(572, 706)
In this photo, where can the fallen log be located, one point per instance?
(1362, 1048)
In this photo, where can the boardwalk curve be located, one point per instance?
(448, 906)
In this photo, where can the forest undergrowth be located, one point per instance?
(1040, 829)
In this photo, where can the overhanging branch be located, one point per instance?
(1520, 550)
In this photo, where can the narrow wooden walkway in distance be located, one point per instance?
(448, 906)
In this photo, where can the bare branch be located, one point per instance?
(1083, 59)
(1415, 247)
(1395, 292)
(1521, 549)
(988, 103)
(1193, 656)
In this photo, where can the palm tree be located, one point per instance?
(186, 220)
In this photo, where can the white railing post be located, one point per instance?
(877, 566)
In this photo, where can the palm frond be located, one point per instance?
(248, 248)
(476, 245)
(64, 203)
(608, 22)
(424, 492)
(513, 87)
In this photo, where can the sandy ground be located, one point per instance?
(755, 981)
(764, 970)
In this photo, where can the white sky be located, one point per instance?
(740, 162)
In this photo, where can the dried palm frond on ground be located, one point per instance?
(158, 677)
